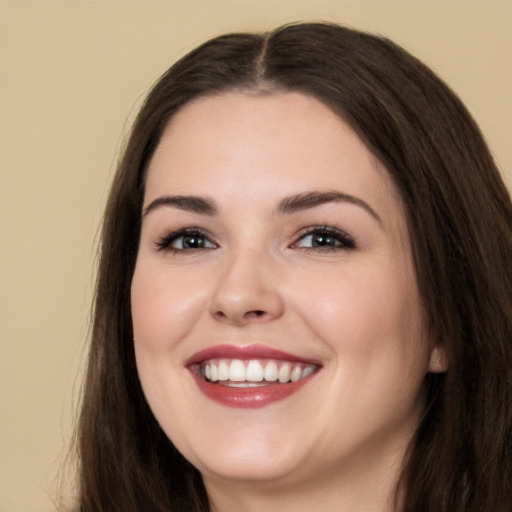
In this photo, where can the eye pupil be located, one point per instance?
(193, 242)
(322, 240)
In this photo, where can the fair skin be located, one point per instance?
(328, 281)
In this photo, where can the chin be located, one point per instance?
(254, 458)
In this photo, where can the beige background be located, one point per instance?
(72, 73)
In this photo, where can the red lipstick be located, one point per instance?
(236, 391)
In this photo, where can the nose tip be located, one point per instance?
(246, 293)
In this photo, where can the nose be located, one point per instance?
(247, 290)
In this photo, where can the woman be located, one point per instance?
(304, 292)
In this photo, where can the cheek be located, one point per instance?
(372, 323)
(369, 315)
(164, 309)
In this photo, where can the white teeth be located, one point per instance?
(254, 371)
(284, 373)
(236, 371)
(214, 373)
(296, 374)
(308, 370)
(270, 373)
(223, 373)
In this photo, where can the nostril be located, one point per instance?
(257, 313)
(241, 316)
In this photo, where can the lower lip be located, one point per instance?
(249, 398)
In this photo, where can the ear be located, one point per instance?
(438, 361)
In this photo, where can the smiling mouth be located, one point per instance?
(251, 376)
(252, 373)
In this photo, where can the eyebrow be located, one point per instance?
(289, 205)
(309, 200)
(194, 204)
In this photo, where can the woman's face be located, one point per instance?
(278, 329)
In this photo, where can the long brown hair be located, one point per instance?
(460, 222)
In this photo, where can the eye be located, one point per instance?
(185, 240)
(323, 239)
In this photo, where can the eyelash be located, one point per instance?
(342, 240)
(165, 243)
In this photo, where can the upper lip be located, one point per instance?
(246, 352)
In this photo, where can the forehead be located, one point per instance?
(281, 143)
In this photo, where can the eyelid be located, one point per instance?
(164, 242)
(343, 239)
(347, 242)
